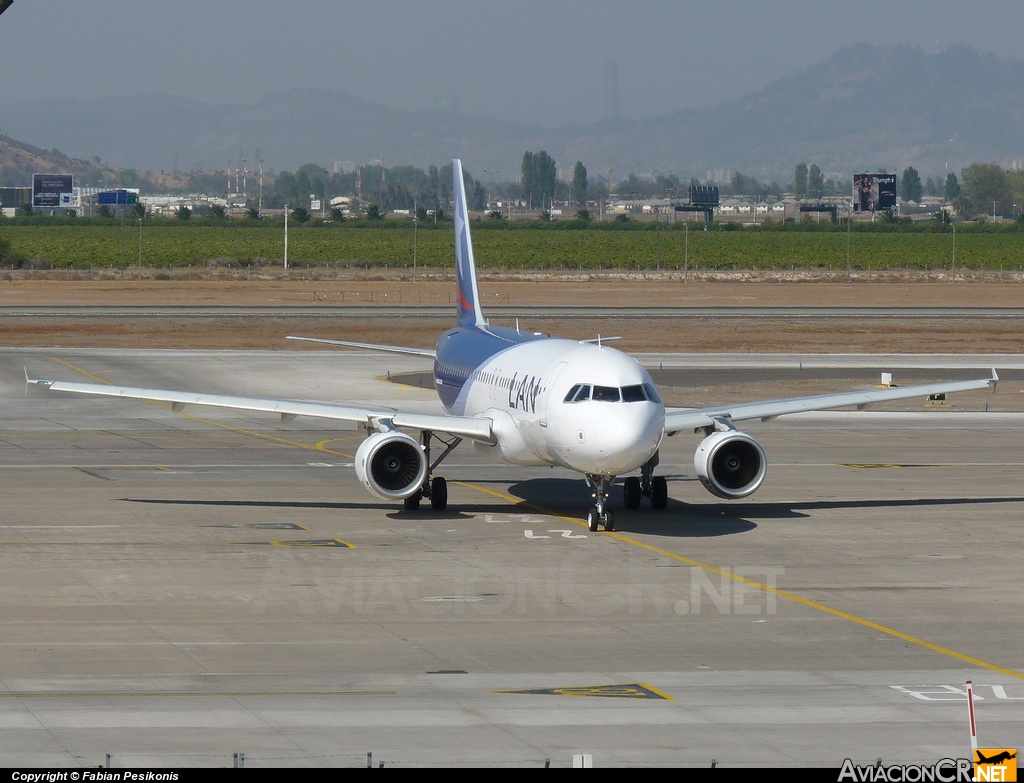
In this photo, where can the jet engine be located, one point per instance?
(730, 464)
(391, 465)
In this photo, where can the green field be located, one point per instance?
(85, 244)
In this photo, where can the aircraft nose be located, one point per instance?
(622, 440)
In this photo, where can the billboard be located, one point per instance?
(51, 190)
(117, 197)
(874, 192)
(704, 195)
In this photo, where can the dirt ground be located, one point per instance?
(346, 289)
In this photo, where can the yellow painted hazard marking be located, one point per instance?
(322, 542)
(867, 465)
(630, 690)
(263, 526)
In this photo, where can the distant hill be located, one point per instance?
(19, 161)
(864, 108)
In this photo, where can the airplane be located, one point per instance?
(528, 399)
(996, 759)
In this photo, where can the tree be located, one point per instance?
(584, 216)
(184, 213)
(337, 215)
(952, 187)
(7, 256)
(494, 214)
(25, 210)
(311, 180)
(217, 212)
(538, 177)
(911, 184)
(815, 181)
(252, 213)
(984, 183)
(373, 213)
(579, 182)
(478, 201)
(139, 210)
(800, 180)
(103, 211)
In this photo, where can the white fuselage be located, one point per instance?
(612, 423)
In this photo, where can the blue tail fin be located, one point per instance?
(465, 266)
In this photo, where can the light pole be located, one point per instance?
(415, 229)
(285, 236)
(686, 249)
(849, 222)
(953, 278)
(490, 181)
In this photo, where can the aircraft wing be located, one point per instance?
(477, 429)
(675, 421)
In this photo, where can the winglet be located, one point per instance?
(465, 267)
(34, 381)
(994, 379)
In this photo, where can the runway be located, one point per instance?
(181, 587)
(415, 310)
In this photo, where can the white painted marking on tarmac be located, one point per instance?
(53, 527)
(452, 598)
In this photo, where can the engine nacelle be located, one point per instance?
(391, 465)
(730, 464)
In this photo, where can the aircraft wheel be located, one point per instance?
(631, 492)
(593, 519)
(659, 493)
(413, 501)
(609, 521)
(438, 494)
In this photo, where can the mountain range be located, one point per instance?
(866, 108)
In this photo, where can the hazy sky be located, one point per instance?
(536, 60)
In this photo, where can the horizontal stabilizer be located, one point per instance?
(368, 346)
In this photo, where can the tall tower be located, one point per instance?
(611, 90)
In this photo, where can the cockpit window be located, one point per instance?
(633, 393)
(578, 393)
(606, 393)
(640, 392)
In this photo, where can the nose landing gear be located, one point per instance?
(599, 515)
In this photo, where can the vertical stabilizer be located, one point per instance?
(465, 266)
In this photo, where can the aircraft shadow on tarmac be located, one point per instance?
(566, 497)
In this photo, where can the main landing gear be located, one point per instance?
(647, 485)
(435, 488)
